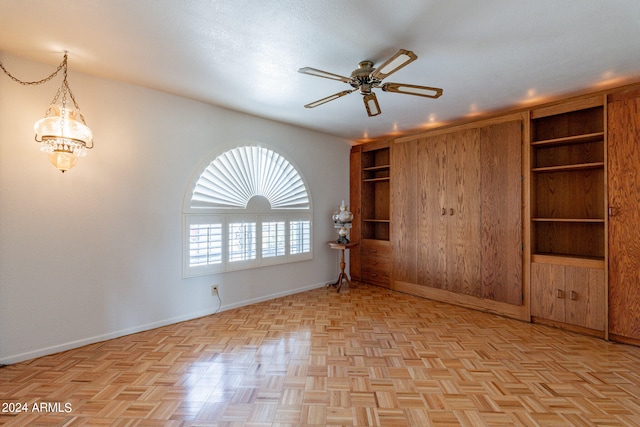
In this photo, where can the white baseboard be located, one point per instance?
(21, 357)
(271, 296)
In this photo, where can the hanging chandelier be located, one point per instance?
(63, 132)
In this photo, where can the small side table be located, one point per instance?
(342, 276)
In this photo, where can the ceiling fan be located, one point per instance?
(365, 78)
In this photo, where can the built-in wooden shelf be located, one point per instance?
(573, 260)
(567, 140)
(573, 167)
(376, 168)
(576, 220)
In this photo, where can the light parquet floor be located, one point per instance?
(364, 357)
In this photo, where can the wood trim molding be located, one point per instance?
(624, 95)
(624, 340)
(568, 327)
(478, 123)
(567, 106)
(519, 312)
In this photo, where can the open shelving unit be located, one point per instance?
(375, 194)
(568, 178)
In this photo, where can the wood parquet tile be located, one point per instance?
(364, 357)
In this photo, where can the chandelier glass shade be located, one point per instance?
(64, 135)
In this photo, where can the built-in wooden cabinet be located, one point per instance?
(456, 214)
(376, 262)
(448, 214)
(371, 177)
(569, 294)
(623, 119)
(568, 232)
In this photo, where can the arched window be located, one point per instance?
(249, 208)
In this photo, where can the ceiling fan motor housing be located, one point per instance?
(361, 78)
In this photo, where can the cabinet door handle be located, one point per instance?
(573, 295)
(613, 210)
(444, 211)
(559, 293)
(450, 211)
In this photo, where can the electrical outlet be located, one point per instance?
(214, 290)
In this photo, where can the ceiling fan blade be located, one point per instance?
(371, 104)
(426, 91)
(328, 98)
(325, 74)
(393, 64)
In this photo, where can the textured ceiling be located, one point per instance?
(244, 55)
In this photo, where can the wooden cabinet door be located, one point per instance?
(456, 211)
(568, 294)
(547, 291)
(501, 160)
(462, 196)
(404, 212)
(623, 125)
(449, 212)
(431, 241)
(432, 214)
(584, 293)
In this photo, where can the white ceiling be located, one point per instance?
(244, 54)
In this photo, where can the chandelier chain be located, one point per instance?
(62, 66)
